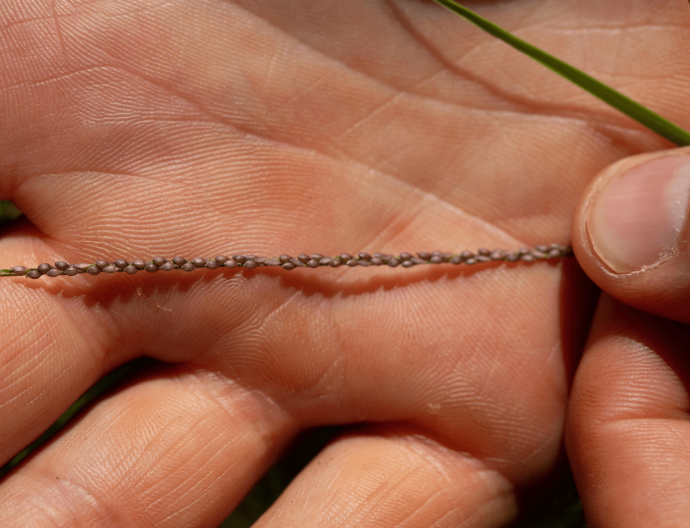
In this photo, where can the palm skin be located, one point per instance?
(132, 129)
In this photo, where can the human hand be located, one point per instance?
(140, 128)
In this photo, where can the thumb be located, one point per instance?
(631, 232)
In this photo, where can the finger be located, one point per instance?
(628, 425)
(179, 449)
(631, 233)
(385, 478)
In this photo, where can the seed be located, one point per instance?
(131, 269)
(102, 264)
(471, 261)
(122, 264)
(457, 259)
(231, 264)
(93, 270)
(364, 256)
(221, 259)
(313, 263)
(260, 260)
(483, 258)
(325, 261)
(498, 254)
(151, 268)
(71, 271)
(537, 254)
(54, 272)
(352, 263)
(34, 274)
(249, 257)
(363, 262)
(211, 264)
(199, 262)
(139, 264)
(111, 269)
(303, 258)
(542, 248)
(424, 255)
(436, 259)
(19, 270)
(484, 252)
(273, 262)
(554, 253)
(524, 251)
(250, 264)
(61, 265)
(159, 261)
(345, 257)
(169, 266)
(288, 266)
(316, 256)
(375, 261)
(238, 258)
(178, 261)
(188, 266)
(285, 259)
(336, 262)
(405, 256)
(512, 257)
(44, 268)
(466, 255)
(81, 266)
(558, 247)
(393, 262)
(407, 264)
(527, 258)
(417, 260)
(298, 263)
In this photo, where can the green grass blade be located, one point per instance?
(633, 109)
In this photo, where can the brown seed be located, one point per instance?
(363, 262)
(364, 256)
(425, 255)
(393, 262)
(260, 260)
(249, 257)
(61, 265)
(44, 268)
(336, 262)
(159, 261)
(129, 269)
(313, 263)
(71, 271)
(122, 264)
(288, 266)
(446, 256)
(316, 256)
(483, 258)
(221, 259)
(151, 268)
(512, 257)
(537, 254)
(457, 259)
(273, 262)
(417, 260)
(188, 266)
(325, 261)
(199, 262)
(111, 269)
(483, 252)
(250, 264)
(498, 254)
(178, 261)
(285, 258)
(471, 261)
(80, 266)
(436, 259)
(466, 255)
(554, 253)
(231, 264)
(34, 274)
(139, 264)
(303, 258)
(405, 256)
(524, 251)
(542, 248)
(238, 258)
(407, 264)
(527, 258)
(557, 246)
(93, 270)
(378, 255)
(19, 270)
(169, 266)
(375, 261)
(352, 263)
(54, 272)
(211, 264)
(102, 264)
(345, 257)
(298, 263)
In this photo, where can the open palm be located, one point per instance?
(139, 128)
